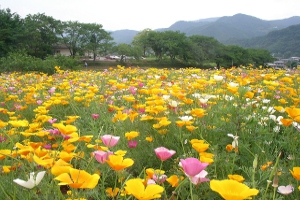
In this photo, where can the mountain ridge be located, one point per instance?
(226, 29)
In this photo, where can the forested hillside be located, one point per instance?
(283, 43)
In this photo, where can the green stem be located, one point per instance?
(274, 193)
(271, 175)
(191, 190)
(181, 140)
(253, 172)
(235, 155)
(160, 167)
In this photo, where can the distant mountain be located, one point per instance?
(227, 29)
(123, 36)
(240, 26)
(186, 26)
(284, 42)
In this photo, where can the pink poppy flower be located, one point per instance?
(95, 116)
(39, 102)
(285, 190)
(102, 156)
(132, 90)
(51, 121)
(52, 90)
(47, 146)
(192, 166)
(163, 153)
(199, 178)
(132, 143)
(141, 84)
(110, 140)
(159, 178)
(2, 139)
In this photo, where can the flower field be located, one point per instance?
(132, 133)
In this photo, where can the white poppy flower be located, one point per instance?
(235, 142)
(173, 103)
(186, 118)
(232, 84)
(203, 100)
(266, 101)
(218, 78)
(33, 180)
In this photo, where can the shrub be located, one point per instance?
(21, 62)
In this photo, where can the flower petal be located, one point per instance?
(39, 177)
(26, 184)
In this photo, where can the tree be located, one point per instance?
(11, 29)
(141, 40)
(40, 36)
(157, 43)
(95, 38)
(107, 45)
(205, 49)
(175, 44)
(259, 56)
(123, 50)
(72, 34)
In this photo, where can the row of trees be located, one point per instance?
(38, 34)
(197, 49)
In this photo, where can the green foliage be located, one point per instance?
(95, 38)
(11, 29)
(39, 35)
(21, 62)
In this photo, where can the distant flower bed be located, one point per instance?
(132, 133)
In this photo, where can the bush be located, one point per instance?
(21, 62)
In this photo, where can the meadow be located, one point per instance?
(133, 133)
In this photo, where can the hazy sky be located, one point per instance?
(153, 14)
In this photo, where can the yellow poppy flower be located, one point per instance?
(71, 119)
(136, 188)
(66, 156)
(60, 167)
(149, 139)
(293, 113)
(191, 128)
(65, 129)
(150, 172)
(44, 161)
(3, 124)
(232, 190)
(236, 177)
(296, 173)
(198, 112)
(174, 180)
(200, 147)
(118, 162)
(120, 153)
(78, 179)
(4, 153)
(120, 116)
(19, 123)
(112, 192)
(286, 122)
(132, 134)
